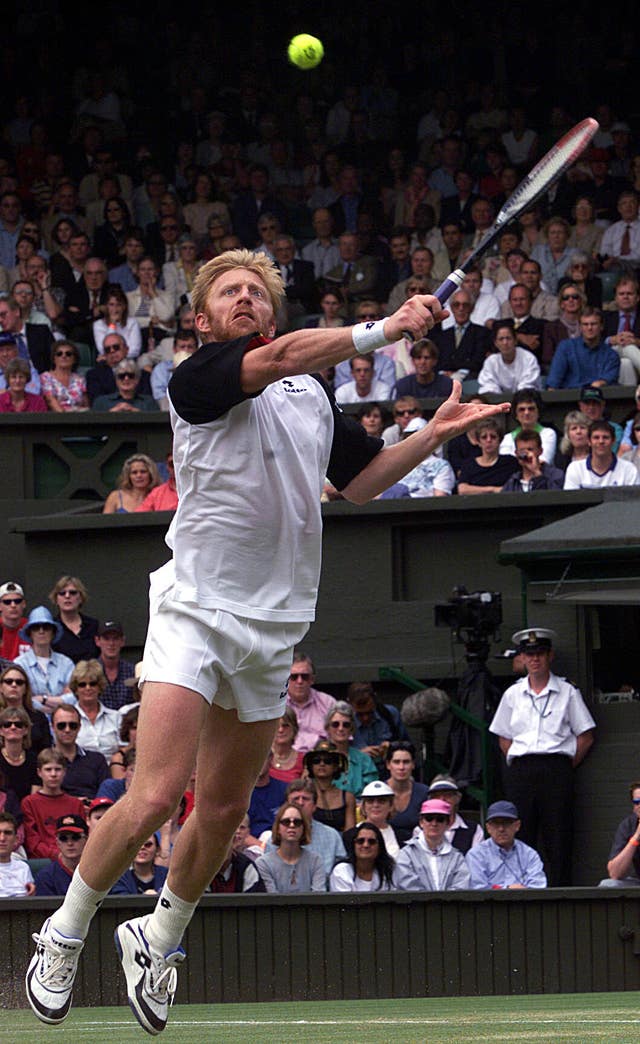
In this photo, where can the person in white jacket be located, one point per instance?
(428, 862)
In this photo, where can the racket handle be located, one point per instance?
(452, 283)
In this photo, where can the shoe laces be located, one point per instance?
(163, 982)
(57, 969)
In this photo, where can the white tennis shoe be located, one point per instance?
(50, 976)
(151, 977)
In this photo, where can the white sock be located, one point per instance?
(80, 904)
(168, 922)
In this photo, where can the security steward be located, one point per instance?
(544, 730)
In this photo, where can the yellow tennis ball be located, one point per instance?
(305, 51)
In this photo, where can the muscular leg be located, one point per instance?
(171, 721)
(230, 755)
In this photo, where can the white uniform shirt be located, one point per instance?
(547, 722)
(347, 393)
(499, 377)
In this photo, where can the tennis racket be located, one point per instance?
(537, 182)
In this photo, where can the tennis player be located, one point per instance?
(253, 438)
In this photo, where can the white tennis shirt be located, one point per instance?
(246, 536)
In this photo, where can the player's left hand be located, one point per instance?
(453, 417)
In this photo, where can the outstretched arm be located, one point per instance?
(307, 351)
(394, 462)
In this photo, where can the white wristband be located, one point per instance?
(367, 337)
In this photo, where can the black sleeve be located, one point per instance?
(352, 449)
(207, 384)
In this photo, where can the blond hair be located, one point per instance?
(259, 264)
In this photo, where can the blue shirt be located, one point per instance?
(439, 388)
(495, 867)
(129, 884)
(51, 682)
(124, 277)
(574, 365)
(53, 879)
(264, 804)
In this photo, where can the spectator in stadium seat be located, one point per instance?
(291, 868)
(138, 477)
(502, 861)
(601, 467)
(584, 360)
(310, 704)
(376, 806)
(335, 807)
(185, 344)
(71, 837)
(428, 862)
(63, 389)
(18, 763)
(15, 691)
(287, 761)
(49, 671)
(377, 724)
(69, 596)
(165, 496)
(623, 866)
(16, 399)
(127, 398)
(238, 872)
(116, 320)
(533, 473)
(488, 472)
(426, 382)
(16, 879)
(409, 794)
(100, 729)
(461, 835)
(368, 867)
(508, 368)
(12, 620)
(110, 640)
(327, 842)
(143, 876)
(266, 797)
(41, 809)
(340, 724)
(85, 770)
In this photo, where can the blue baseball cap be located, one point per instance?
(502, 810)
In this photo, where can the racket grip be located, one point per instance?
(452, 283)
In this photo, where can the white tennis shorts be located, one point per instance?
(231, 661)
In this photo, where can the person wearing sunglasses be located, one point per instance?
(85, 770)
(335, 807)
(291, 868)
(41, 809)
(405, 409)
(18, 762)
(100, 728)
(623, 868)
(368, 867)
(143, 877)
(12, 620)
(71, 837)
(340, 724)
(310, 704)
(571, 299)
(68, 597)
(15, 691)
(64, 390)
(127, 398)
(49, 671)
(428, 862)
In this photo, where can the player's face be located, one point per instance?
(238, 304)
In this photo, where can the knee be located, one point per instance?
(220, 817)
(149, 810)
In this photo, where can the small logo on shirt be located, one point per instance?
(291, 388)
